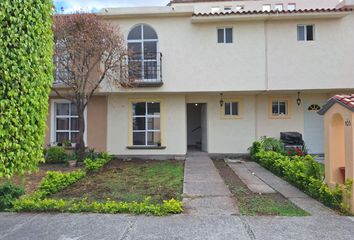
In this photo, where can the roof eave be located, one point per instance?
(266, 16)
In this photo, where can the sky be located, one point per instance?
(94, 5)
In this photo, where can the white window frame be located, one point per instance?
(143, 60)
(231, 112)
(278, 101)
(224, 30)
(53, 123)
(279, 7)
(268, 6)
(293, 5)
(146, 116)
(240, 7)
(305, 32)
(215, 9)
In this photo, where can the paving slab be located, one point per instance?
(301, 228)
(190, 228)
(253, 183)
(204, 191)
(68, 226)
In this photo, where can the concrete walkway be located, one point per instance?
(293, 194)
(204, 191)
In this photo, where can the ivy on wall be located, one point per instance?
(26, 74)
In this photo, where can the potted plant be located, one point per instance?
(72, 162)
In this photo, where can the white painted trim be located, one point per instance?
(52, 121)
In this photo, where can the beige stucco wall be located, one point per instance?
(173, 120)
(265, 55)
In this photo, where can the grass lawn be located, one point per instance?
(251, 204)
(130, 181)
(30, 181)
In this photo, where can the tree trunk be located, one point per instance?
(81, 142)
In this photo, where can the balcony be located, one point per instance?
(145, 70)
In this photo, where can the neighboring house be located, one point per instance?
(218, 75)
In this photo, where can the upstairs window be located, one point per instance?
(227, 9)
(291, 7)
(305, 32)
(278, 7)
(240, 7)
(215, 9)
(143, 54)
(266, 8)
(225, 35)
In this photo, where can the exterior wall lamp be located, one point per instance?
(298, 100)
(221, 100)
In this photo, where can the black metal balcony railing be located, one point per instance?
(145, 69)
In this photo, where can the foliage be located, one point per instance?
(26, 74)
(31, 204)
(8, 193)
(56, 181)
(95, 165)
(88, 51)
(266, 144)
(55, 155)
(304, 173)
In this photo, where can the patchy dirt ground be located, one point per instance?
(251, 204)
(130, 181)
(31, 181)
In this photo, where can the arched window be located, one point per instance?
(314, 107)
(144, 59)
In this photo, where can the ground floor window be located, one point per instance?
(280, 107)
(146, 119)
(66, 123)
(231, 109)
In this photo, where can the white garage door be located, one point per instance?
(313, 132)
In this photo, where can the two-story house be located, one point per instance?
(216, 75)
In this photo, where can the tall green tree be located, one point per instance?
(26, 75)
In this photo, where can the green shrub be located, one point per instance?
(94, 165)
(8, 193)
(272, 144)
(55, 155)
(56, 181)
(31, 204)
(304, 173)
(26, 75)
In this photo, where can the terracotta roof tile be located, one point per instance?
(317, 10)
(344, 100)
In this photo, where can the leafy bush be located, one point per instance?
(26, 74)
(8, 193)
(304, 173)
(272, 144)
(111, 207)
(55, 155)
(56, 181)
(266, 144)
(94, 165)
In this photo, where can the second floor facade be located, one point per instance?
(179, 49)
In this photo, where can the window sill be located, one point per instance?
(146, 147)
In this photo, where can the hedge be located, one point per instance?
(304, 173)
(26, 75)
